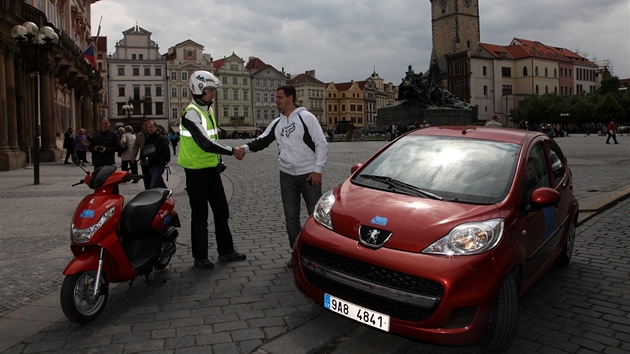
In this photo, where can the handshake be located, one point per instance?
(239, 152)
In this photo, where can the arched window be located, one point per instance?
(546, 89)
(546, 72)
(536, 71)
(524, 71)
(537, 90)
(555, 90)
(555, 73)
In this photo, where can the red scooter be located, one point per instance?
(114, 243)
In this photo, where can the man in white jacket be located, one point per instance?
(303, 153)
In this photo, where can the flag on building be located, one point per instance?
(89, 55)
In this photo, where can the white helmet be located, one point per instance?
(202, 80)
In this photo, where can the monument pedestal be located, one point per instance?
(434, 116)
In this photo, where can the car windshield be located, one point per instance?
(446, 168)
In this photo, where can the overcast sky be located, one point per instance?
(345, 40)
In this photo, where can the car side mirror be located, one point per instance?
(543, 197)
(355, 167)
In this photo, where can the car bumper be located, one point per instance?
(458, 316)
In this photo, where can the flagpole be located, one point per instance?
(94, 43)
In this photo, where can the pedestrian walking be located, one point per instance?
(174, 139)
(157, 161)
(303, 152)
(81, 144)
(126, 142)
(200, 155)
(138, 144)
(612, 132)
(68, 144)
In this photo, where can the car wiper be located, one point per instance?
(399, 184)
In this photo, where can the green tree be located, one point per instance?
(608, 85)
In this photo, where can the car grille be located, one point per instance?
(373, 274)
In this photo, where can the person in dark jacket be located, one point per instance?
(104, 145)
(68, 144)
(157, 161)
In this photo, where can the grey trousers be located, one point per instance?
(291, 188)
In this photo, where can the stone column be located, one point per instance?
(11, 98)
(4, 125)
(11, 157)
(49, 151)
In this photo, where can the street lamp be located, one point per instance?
(29, 35)
(128, 108)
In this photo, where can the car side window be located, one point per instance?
(536, 173)
(557, 165)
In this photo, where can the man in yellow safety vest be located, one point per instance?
(199, 155)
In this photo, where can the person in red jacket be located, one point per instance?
(612, 132)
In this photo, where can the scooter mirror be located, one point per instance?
(147, 151)
(75, 159)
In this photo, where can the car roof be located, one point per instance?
(509, 135)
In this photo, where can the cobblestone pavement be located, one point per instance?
(240, 306)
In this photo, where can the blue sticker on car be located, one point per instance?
(379, 220)
(87, 214)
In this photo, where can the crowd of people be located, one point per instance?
(105, 143)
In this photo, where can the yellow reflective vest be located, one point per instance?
(190, 154)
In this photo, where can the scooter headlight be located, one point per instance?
(84, 235)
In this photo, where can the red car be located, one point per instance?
(438, 234)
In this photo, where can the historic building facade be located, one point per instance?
(53, 78)
(495, 78)
(183, 60)
(310, 94)
(345, 102)
(234, 103)
(265, 81)
(137, 77)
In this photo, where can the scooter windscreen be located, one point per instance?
(100, 175)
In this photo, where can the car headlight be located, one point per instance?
(469, 238)
(84, 235)
(322, 209)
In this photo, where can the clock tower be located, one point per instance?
(455, 29)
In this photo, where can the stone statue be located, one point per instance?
(426, 91)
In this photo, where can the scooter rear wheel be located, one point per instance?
(168, 249)
(78, 301)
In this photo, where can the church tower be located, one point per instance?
(455, 29)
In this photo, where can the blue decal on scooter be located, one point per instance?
(167, 219)
(87, 214)
(379, 220)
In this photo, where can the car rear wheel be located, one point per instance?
(504, 318)
(567, 251)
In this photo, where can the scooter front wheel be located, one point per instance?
(78, 301)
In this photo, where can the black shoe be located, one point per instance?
(234, 256)
(203, 263)
(290, 264)
(66, 163)
(135, 181)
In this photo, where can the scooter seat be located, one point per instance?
(138, 215)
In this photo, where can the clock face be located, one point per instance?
(443, 3)
(467, 2)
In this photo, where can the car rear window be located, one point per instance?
(456, 169)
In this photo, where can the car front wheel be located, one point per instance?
(502, 326)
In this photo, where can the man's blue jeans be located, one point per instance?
(291, 188)
(156, 172)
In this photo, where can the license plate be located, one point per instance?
(357, 313)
